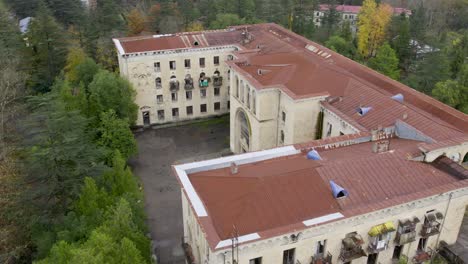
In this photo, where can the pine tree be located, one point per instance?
(48, 45)
(386, 62)
(401, 42)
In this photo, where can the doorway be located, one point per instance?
(397, 252)
(146, 118)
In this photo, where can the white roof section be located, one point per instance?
(24, 24)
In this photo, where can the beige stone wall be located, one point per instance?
(271, 249)
(193, 234)
(140, 71)
(338, 125)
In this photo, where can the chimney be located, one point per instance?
(234, 168)
(381, 146)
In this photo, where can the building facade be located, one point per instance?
(174, 85)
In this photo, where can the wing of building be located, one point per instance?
(342, 162)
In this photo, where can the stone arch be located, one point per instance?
(243, 132)
(465, 158)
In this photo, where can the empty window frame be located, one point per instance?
(216, 60)
(283, 116)
(175, 112)
(187, 63)
(289, 256)
(172, 65)
(320, 251)
(217, 91)
(174, 97)
(202, 93)
(158, 83)
(329, 129)
(157, 66)
(189, 110)
(217, 106)
(160, 114)
(188, 95)
(202, 62)
(256, 261)
(203, 108)
(159, 99)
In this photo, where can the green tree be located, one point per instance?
(342, 46)
(225, 20)
(386, 62)
(429, 70)
(331, 19)
(401, 42)
(454, 92)
(48, 46)
(111, 92)
(114, 134)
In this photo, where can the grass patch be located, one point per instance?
(222, 120)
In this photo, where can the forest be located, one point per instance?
(65, 114)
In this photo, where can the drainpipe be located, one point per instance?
(441, 226)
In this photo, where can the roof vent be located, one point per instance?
(364, 110)
(234, 168)
(338, 191)
(398, 97)
(195, 43)
(259, 72)
(313, 155)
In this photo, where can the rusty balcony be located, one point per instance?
(188, 84)
(352, 247)
(405, 238)
(422, 256)
(406, 232)
(322, 259)
(217, 81)
(174, 85)
(430, 229)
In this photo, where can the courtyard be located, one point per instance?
(158, 149)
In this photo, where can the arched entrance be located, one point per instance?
(243, 132)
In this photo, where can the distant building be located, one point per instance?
(24, 24)
(349, 14)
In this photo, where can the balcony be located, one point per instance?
(422, 256)
(188, 83)
(217, 81)
(352, 247)
(379, 237)
(406, 232)
(203, 82)
(431, 224)
(322, 259)
(430, 229)
(174, 85)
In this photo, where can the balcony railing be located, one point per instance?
(377, 246)
(347, 255)
(430, 229)
(203, 82)
(352, 247)
(322, 259)
(174, 86)
(405, 238)
(188, 85)
(217, 81)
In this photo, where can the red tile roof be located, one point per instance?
(275, 196)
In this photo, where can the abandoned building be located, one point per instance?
(336, 163)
